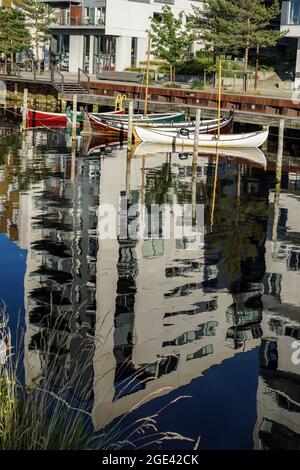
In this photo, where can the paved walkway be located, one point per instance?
(268, 91)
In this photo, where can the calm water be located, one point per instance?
(140, 323)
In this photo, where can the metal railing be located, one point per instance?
(78, 21)
(83, 72)
(13, 70)
(54, 72)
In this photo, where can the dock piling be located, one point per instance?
(278, 179)
(197, 129)
(194, 188)
(74, 118)
(130, 128)
(25, 108)
(279, 151)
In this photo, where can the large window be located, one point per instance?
(295, 12)
(60, 48)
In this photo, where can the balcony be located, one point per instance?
(73, 21)
(61, 3)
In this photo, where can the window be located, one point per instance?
(295, 12)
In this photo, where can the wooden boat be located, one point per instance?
(252, 156)
(101, 123)
(69, 114)
(206, 126)
(140, 118)
(247, 140)
(37, 118)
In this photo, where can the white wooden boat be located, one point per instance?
(184, 127)
(250, 139)
(251, 156)
(140, 118)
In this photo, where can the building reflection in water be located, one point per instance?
(59, 223)
(170, 313)
(123, 321)
(278, 395)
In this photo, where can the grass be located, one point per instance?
(43, 416)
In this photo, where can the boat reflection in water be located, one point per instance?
(138, 322)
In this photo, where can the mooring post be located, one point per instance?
(197, 129)
(25, 108)
(128, 175)
(194, 188)
(74, 118)
(278, 179)
(73, 160)
(130, 129)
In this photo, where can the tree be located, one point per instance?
(13, 32)
(237, 24)
(171, 38)
(39, 17)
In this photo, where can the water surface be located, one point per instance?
(140, 323)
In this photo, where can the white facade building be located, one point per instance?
(99, 35)
(290, 23)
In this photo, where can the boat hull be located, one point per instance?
(45, 119)
(101, 127)
(249, 140)
(207, 126)
(163, 118)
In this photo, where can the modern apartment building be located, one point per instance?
(99, 35)
(290, 22)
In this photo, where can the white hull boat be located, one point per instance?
(247, 140)
(184, 128)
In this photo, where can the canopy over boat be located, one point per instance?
(250, 139)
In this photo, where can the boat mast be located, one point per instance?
(217, 146)
(219, 98)
(147, 76)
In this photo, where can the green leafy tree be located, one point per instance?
(172, 38)
(233, 25)
(39, 17)
(13, 32)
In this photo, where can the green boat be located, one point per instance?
(69, 114)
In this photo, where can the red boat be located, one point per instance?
(46, 119)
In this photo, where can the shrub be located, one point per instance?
(197, 85)
(172, 85)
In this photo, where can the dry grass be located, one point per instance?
(44, 417)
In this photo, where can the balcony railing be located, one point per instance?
(78, 21)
